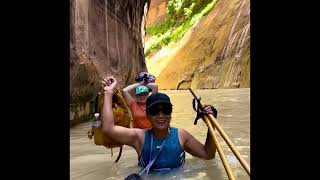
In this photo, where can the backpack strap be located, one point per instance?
(119, 155)
(96, 103)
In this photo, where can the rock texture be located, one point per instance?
(157, 12)
(215, 53)
(106, 38)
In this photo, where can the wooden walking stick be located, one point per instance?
(216, 142)
(223, 134)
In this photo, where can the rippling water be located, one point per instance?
(88, 161)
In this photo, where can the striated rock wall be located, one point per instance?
(213, 54)
(157, 12)
(106, 38)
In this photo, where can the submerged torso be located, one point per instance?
(172, 155)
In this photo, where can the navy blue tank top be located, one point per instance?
(172, 155)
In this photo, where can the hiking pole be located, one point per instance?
(223, 134)
(216, 142)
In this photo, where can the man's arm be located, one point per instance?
(194, 147)
(120, 134)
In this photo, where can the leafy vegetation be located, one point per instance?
(181, 15)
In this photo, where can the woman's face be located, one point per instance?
(160, 116)
(142, 97)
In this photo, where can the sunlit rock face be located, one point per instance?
(106, 38)
(215, 53)
(157, 12)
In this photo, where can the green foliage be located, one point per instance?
(181, 15)
(188, 11)
(199, 6)
(174, 7)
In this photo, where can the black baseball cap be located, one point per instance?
(157, 98)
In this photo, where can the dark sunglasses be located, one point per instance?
(167, 110)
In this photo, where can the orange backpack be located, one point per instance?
(121, 118)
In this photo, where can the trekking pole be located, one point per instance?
(216, 142)
(223, 134)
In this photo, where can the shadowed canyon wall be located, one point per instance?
(105, 39)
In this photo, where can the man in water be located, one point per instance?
(172, 141)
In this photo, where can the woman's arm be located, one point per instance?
(126, 91)
(153, 87)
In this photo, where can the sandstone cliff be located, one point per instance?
(105, 39)
(157, 12)
(214, 53)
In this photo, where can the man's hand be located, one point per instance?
(109, 84)
(208, 109)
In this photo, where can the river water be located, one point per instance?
(91, 162)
